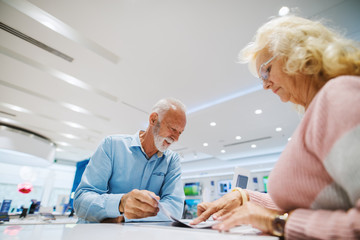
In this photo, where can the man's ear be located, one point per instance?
(153, 119)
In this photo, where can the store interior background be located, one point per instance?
(126, 55)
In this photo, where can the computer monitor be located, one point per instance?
(242, 181)
(224, 186)
(192, 189)
(5, 206)
(190, 208)
(241, 178)
(265, 181)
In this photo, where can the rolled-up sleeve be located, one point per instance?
(92, 201)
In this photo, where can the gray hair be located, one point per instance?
(163, 105)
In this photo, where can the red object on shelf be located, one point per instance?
(25, 187)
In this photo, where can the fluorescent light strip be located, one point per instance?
(196, 159)
(257, 154)
(261, 170)
(20, 109)
(208, 175)
(60, 27)
(71, 124)
(225, 99)
(230, 166)
(15, 108)
(66, 105)
(8, 120)
(57, 74)
(224, 174)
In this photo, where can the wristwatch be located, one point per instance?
(278, 225)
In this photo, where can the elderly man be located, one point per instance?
(126, 169)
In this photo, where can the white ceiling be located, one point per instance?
(130, 53)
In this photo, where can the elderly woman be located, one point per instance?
(314, 188)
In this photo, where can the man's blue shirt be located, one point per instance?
(118, 166)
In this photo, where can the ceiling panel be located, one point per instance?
(184, 49)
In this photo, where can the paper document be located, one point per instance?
(181, 223)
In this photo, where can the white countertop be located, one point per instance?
(133, 231)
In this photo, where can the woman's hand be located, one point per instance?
(250, 213)
(217, 208)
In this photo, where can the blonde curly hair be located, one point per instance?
(308, 47)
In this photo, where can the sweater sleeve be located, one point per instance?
(324, 224)
(333, 136)
(262, 199)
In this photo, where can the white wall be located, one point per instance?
(48, 183)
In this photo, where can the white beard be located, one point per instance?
(159, 141)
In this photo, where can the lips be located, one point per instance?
(276, 90)
(168, 141)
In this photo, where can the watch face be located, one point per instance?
(279, 226)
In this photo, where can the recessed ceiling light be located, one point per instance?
(223, 151)
(258, 111)
(253, 146)
(205, 144)
(278, 129)
(213, 124)
(289, 138)
(237, 137)
(284, 11)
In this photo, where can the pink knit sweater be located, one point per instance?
(318, 174)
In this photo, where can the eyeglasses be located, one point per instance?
(264, 72)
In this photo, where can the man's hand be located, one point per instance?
(138, 204)
(219, 207)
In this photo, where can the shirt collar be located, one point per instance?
(137, 143)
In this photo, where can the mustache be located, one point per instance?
(169, 140)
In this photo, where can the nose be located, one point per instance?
(175, 136)
(266, 84)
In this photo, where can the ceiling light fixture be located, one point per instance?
(213, 124)
(258, 111)
(70, 136)
(289, 138)
(223, 151)
(284, 11)
(205, 144)
(8, 120)
(278, 129)
(15, 108)
(225, 99)
(253, 146)
(237, 137)
(74, 125)
(75, 108)
(62, 144)
(61, 28)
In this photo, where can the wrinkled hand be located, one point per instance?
(218, 207)
(250, 213)
(138, 204)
